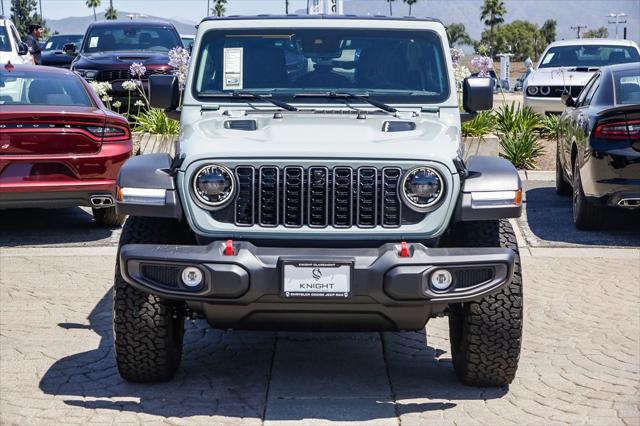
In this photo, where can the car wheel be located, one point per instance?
(586, 216)
(562, 186)
(108, 217)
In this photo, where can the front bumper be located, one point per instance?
(388, 291)
(544, 105)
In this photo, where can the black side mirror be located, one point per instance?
(477, 94)
(567, 99)
(23, 49)
(164, 92)
(190, 48)
(69, 49)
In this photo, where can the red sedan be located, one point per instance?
(59, 145)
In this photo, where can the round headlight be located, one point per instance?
(532, 90)
(545, 90)
(422, 188)
(214, 185)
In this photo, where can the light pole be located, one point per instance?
(208, 8)
(617, 21)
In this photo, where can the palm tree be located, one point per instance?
(219, 8)
(390, 7)
(458, 34)
(410, 3)
(93, 4)
(111, 13)
(492, 13)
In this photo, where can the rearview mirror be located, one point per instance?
(477, 94)
(69, 49)
(567, 99)
(164, 92)
(23, 49)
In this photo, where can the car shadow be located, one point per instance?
(34, 227)
(226, 373)
(550, 219)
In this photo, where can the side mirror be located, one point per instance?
(23, 49)
(164, 92)
(567, 99)
(69, 49)
(477, 94)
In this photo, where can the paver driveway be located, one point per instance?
(580, 361)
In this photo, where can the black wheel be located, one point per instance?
(147, 330)
(107, 217)
(586, 216)
(562, 186)
(486, 335)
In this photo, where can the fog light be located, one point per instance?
(191, 277)
(441, 279)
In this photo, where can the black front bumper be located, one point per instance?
(388, 292)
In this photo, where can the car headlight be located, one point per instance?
(88, 74)
(214, 186)
(545, 90)
(532, 90)
(422, 188)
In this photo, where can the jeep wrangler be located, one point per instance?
(319, 184)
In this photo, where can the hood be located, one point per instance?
(330, 136)
(10, 56)
(125, 58)
(558, 77)
(55, 57)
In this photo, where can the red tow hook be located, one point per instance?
(404, 249)
(228, 248)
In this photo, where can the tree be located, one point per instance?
(410, 3)
(390, 7)
(492, 13)
(111, 12)
(458, 34)
(548, 31)
(92, 4)
(23, 14)
(521, 38)
(601, 32)
(219, 8)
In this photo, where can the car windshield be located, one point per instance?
(58, 42)
(627, 86)
(28, 88)
(5, 45)
(127, 38)
(589, 56)
(388, 65)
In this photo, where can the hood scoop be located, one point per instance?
(398, 126)
(246, 125)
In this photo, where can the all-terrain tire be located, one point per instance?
(486, 336)
(586, 216)
(562, 186)
(147, 330)
(108, 217)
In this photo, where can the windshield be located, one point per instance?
(589, 56)
(58, 42)
(29, 88)
(5, 45)
(390, 65)
(127, 38)
(627, 85)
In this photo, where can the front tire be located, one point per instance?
(586, 216)
(486, 335)
(148, 330)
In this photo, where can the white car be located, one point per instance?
(568, 65)
(11, 46)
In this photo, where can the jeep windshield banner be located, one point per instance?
(390, 65)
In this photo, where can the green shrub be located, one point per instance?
(550, 125)
(156, 121)
(512, 119)
(522, 149)
(479, 126)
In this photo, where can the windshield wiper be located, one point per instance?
(243, 94)
(348, 95)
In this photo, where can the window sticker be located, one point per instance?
(93, 42)
(48, 45)
(233, 62)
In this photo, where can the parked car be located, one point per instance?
(59, 145)
(110, 47)
(12, 48)
(598, 157)
(53, 49)
(330, 198)
(520, 81)
(187, 41)
(567, 66)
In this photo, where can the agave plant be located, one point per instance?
(154, 120)
(480, 126)
(522, 149)
(511, 119)
(550, 125)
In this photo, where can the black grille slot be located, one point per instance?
(111, 75)
(293, 196)
(471, 277)
(342, 197)
(168, 276)
(269, 196)
(391, 204)
(318, 199)
(245, 200)
(367, 197)
(557, 91)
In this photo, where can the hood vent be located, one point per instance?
(247, 125)
(398, 126)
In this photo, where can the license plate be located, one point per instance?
(316, 279)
